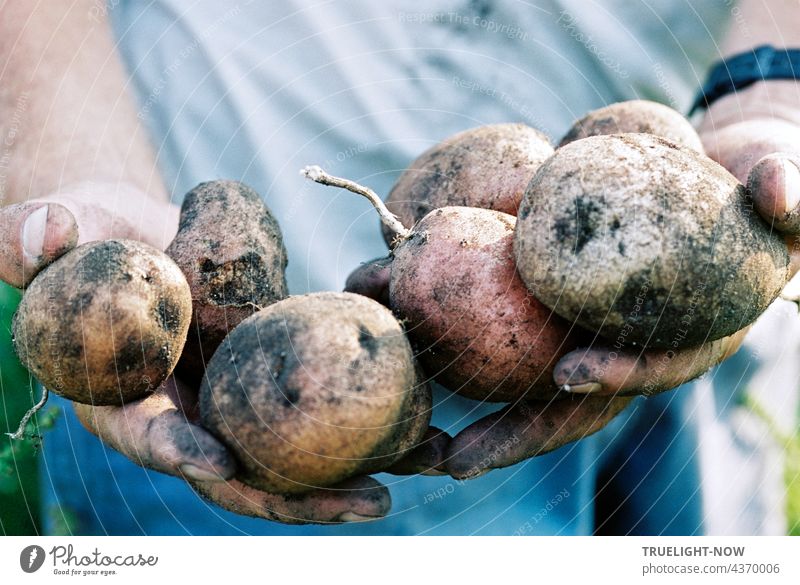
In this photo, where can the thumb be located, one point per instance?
(32, 235)
(774, 185)
(35, 233)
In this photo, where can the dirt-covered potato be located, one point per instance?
(647, 242)
(315, 389)
(477, 329)
(487, 167)
(105, 323)
(640, 116)
(231, 250)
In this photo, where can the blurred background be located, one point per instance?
(20, 478)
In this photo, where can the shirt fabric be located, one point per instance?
(254, 91)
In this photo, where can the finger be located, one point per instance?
(104, 211)
(603, 371)
(528, 429)
(738, 147)
(154, 433)
(371, 279)
(427, 458)
(355, 500)
(37, 232)
(774, 185)
(32, 235)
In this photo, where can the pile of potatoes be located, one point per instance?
(506, 254)
(626, 233)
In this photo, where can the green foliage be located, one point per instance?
(792, 478)
(19, 489)
(791, 471)
(63, 521)
(22, 450)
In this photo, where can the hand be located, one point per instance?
(600, 387)
(756, 136)
(156, 432)
(527, 429)
(160, 432)
(35, 233)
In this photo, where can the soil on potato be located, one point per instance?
(636, 116)
(478, 330)
(487, 167)
(104, 324)
(315, 389)
(646, 241)
(231, 250)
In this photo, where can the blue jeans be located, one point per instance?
(606, 483)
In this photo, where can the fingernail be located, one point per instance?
(791, 185)
(582, 388)
(33, 232)
(353, 517)
(199, 474)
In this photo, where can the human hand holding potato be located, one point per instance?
(523, 429)
(755, 134)
(160, 430)
(599, 377)
(542, 426)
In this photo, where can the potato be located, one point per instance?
(647, 242)
(478, 330)
(315, 389)
(453, 282)
(231, 250)
(636, 116)
(371, 279)
(487, 167)
(105, 323)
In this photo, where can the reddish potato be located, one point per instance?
(487, 167)
(637, 116)
(477, 328)
(371, 279)
(454, 284)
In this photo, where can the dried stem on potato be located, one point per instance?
(389, 219)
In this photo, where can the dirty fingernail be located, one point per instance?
(791, 185)
(582, 388)
(199, 474)
(353, 517)
(33, 232)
